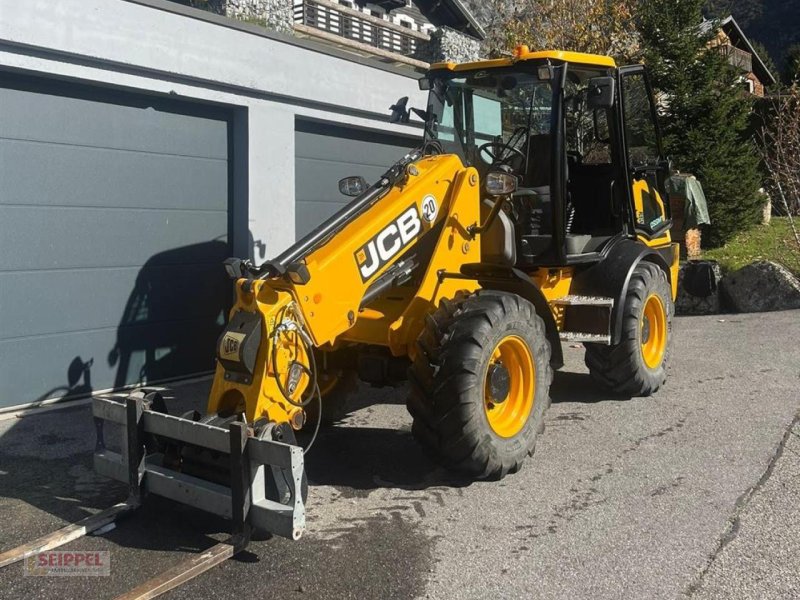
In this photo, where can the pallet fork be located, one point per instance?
(243, 501)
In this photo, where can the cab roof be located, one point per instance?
(524, 53)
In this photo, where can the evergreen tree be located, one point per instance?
(766, 58)
(791, 69)
(705, 112)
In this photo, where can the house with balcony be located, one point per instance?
(731, 41)
(411, 32)
(415, 32)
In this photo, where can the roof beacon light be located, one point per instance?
(521, 51)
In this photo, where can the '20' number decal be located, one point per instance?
(429, 208)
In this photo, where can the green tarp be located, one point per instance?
(689, 188)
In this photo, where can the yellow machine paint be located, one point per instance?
(330, 301)
(522, 53)
(328, 306)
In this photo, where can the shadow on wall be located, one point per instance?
(79, 381)
(169, 326)
(173, 316)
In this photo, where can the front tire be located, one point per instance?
(480, 383)
(637, 365)
(336, 388)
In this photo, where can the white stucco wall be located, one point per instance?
(137, 46)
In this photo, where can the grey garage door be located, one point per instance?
(326, 153)
(113, 224)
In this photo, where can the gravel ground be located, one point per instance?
(691, 493)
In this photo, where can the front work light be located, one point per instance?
(353, 186)
(499, 183)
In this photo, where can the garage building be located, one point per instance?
(142, 143)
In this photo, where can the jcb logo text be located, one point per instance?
(388, 243)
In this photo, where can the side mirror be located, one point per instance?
(424, 84)
(601, 92)
(352, 186)
(400, 114)
(424, 115)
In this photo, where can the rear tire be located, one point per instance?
(480, 383)
(636, 366)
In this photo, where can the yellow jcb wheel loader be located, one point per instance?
(532, 213)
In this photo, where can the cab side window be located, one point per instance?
(588, 138)
(640, 130)
(643, 152)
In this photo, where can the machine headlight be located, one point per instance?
(352, 186)
(499, 183)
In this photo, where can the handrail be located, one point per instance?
(369, 18)
(737, 57)
(358, 46)
(348, 24)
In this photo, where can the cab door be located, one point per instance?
(646, 165)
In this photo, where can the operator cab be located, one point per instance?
(536, 119)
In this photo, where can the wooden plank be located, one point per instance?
(66, 534)
(179, 574)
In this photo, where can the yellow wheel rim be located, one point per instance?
(509, 388)
(653, 331)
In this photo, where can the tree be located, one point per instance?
(705, 112)
(780, 148)
(791, 66)
(766, 58)
(596, 26)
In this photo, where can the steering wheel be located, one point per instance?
(502, 152)
(498, 152)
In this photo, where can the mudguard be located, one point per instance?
(611, 276)
(510, 279)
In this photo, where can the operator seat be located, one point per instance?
(532, 199)
(538, 149)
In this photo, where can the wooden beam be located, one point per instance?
(66, 534)
(183, 572)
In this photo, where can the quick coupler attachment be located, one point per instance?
(262, 490)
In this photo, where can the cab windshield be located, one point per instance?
(490, 116)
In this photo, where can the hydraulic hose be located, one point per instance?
(310, 370)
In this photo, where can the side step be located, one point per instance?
(584, 318)
(576, 336)
(573, 300)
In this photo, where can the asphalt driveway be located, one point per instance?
(694, 492)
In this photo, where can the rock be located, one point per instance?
(761, 286)
(698, 288)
